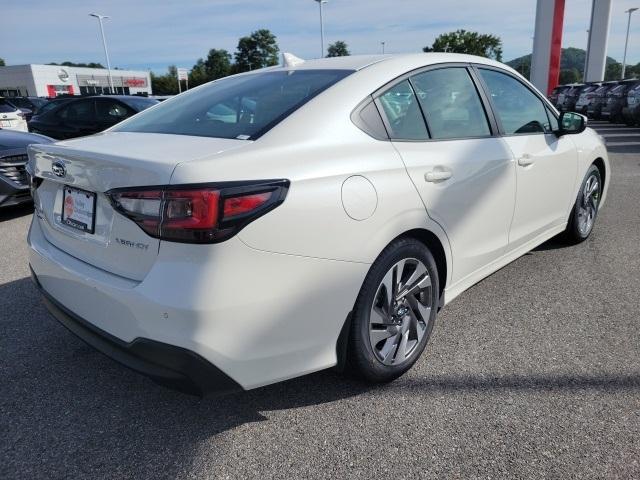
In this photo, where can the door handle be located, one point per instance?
(525, 160)
(437, 175)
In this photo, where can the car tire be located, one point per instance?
(387, 337)
(585, 209)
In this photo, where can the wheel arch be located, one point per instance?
(430, 240)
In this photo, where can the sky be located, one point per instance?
(152, 34)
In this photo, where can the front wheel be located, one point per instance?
(585, 210)
(394, 313)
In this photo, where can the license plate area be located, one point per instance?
(78, 209)
(5, 123)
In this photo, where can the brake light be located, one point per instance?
(198, 213)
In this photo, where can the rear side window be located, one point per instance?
(78, 111)
(520, 111)
(451, 104)
(403, 113)
(242, 107)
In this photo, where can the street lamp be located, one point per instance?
(626, 41)
(382, 43)
(104, 44)
(320, 2)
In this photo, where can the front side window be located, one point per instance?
(403, 113)
(520, 111)
(451, 103)
(110, 111)
(242, 107)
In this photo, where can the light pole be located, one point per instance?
(626, 41)
(382, 43)
(104, 44)
(586, 59)
(320, 2)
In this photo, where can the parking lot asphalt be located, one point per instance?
(532, 373)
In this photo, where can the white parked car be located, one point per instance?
(11, 117)
(323, 219)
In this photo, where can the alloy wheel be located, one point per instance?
(400, 312)
(588, 206)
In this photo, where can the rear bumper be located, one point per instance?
(168, 365)
(257, 317)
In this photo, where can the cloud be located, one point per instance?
(153, 34)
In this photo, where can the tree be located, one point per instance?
(2, 64)
(338, 49)
(473, 43)
(217, 65)
(258, 50)
(569, 75)
(613, 71)
(72, 64)
(166, 84)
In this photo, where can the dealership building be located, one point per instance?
(54, 80)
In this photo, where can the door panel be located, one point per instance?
(474, 204)
(546, 165)
(546, 169)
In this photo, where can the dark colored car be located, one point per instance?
(617, 100)
(53, 103)
(570, 97)
(594, 109)
(33, 104)
(87, 115)
(585, 96)
(14, 182)
(556, 93)
(631, 112)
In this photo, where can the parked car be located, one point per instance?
(557, 95)
(599, 99)
(585, 96)
(11, 117)
(327, 226)
(14, 182)
(568, 98)
(54, 103)
(616, 101)
(33, 104)
(88, 115)
(631, 112)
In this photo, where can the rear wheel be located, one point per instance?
(585, 210)
(394, 313)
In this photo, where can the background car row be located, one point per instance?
(616, 101)
(60, 118)
(68, 117)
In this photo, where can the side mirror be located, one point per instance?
(571, 123)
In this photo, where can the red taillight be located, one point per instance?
(198, 214)
(240, 205)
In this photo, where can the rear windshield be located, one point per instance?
(242, 107)
(139, 103)
(6, 107)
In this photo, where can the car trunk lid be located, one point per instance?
(87, 168)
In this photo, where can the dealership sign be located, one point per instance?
(63, 75)
(134, 82)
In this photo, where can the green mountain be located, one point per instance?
(569, 58)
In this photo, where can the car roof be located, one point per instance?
(359, 62)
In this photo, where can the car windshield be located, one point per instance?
(242, 107)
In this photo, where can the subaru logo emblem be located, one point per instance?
(58, 169)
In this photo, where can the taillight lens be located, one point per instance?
(198, 213)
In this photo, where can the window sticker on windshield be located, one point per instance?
(243, 137)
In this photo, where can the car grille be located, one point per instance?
(13, 168)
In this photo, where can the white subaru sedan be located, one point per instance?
(305, 216)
